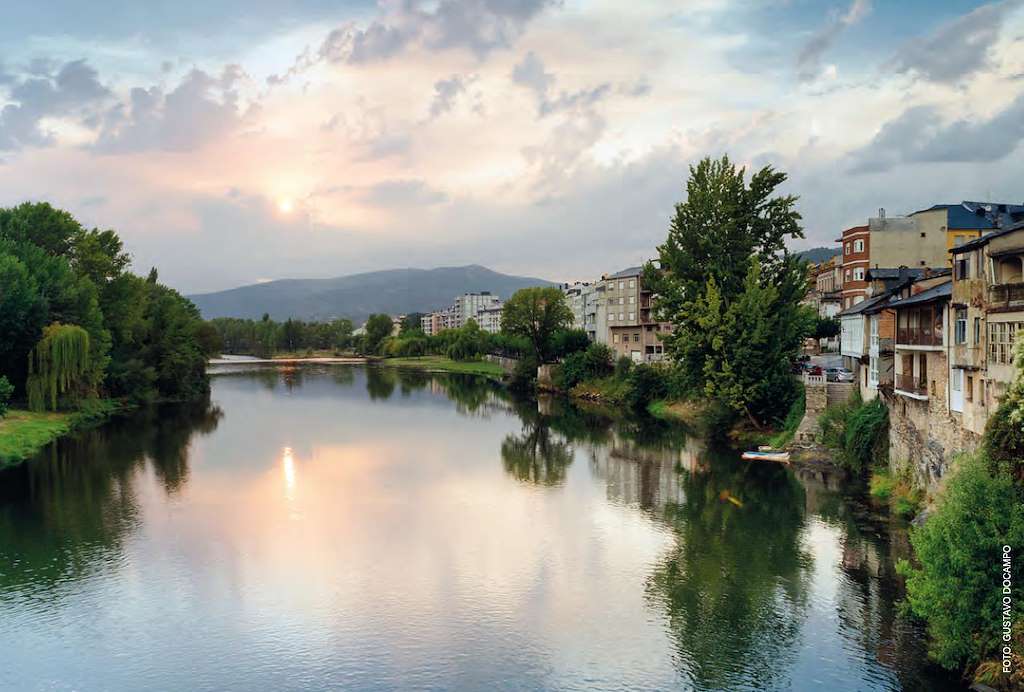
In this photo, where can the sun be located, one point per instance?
(285, 206)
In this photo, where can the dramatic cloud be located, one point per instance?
(73, 90)
(959, 48)
(810, 57)
(919, 135)
(200, 109)
(530, 73)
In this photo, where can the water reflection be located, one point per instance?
(305, 539)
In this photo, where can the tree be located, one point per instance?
(959, 548)
(566, 341)
(731, 289)
(59, 364)
(378, 328)
(536, 314)
(826, 328)
(411, 323)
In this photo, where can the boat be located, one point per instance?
(766, 455)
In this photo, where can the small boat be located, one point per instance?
(765, 455)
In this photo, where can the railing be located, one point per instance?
(813, 379)
(1006, 294)
(916, 336)
(912, 384)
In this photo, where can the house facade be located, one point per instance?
(856, 245)
(632, 329)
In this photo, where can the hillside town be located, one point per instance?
(929, 305)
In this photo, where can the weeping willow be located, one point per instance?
(58, 364)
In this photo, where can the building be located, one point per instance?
(987, 313)
(960, 223)
(632, 329)
(482, 307)
(905, 241)
(574, 298)
(828, 289)
(595, 312)
(856, 245)
(923, 434)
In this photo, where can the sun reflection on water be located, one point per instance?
(288, 465)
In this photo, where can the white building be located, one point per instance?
(483, 307)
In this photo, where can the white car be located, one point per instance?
(838, 375)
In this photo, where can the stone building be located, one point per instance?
(632, 329)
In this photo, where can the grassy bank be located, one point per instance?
(440, 363)
(24, 433)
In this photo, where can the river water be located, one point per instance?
(343, 527)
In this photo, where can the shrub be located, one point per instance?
(623, 366)
(571, 371)
(646, 383)
(598, 358)
(568, 341)
(524, 375)
(6, 392)
(1004, 441)
(866, 435)
(957, 588)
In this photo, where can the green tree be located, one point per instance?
(957, 589)
(826, 328)
(57, 366)
(732, 291)
(378, 328)
(536, 314)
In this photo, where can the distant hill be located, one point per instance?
(394, 292)
(818, 254)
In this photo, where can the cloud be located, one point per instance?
(919, 136)
(445, 93)
(531, 74)
(403, 193)
(480, 26)
(809, 60)
(74, 89)
(200, 109)
(957, 49)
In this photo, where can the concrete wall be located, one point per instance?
(914, 241)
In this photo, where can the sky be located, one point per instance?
(238, 141)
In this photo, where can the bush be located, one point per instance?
(524, 375)
(1004, 441)
(568, 341)
(646, 384)
(6, 392)
(592, 364)
(957, 589)
(599, 359)
(623, 366)
(857, 432)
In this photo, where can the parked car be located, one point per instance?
(838, 375)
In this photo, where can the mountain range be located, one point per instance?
(818, 254)
(357, 296)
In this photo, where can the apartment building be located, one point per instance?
(483, 307)
(632, 329)
(828, 290)
(595, 312)
(576, 300)
(856, 246)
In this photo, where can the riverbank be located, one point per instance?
(441, 364)
(24, 433)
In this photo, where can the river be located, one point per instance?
(345, 527)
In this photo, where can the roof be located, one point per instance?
(941, 292)
(870, 305)
(915, 273)
(976, 215)
(632, 271)
(983, 240)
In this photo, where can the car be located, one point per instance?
(838, 375)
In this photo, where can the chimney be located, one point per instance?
(881, 213)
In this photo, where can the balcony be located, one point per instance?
(917, 336)
(881, 344)
(1005, 295)
(912, 384)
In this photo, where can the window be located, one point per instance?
(849, 248)
(858, 246)
(873, 371)
(632, 299)
(622, 301)
(611, 317)
(969, 392)
(960, 330)
(923, 234)
(632, 316)
(1000, 342)
(848, 274)
(961, 269)
(632, 283)
(615, 338)
(622, 284)
(858, 274)
(636, 337)
(977, 331)
(621, 316)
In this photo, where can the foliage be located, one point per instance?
(826, 328)
(378, 327)
(956, 588)
(469, 344)
(867, 435)
(792, 421)
(411, 323)
(732, 291)
(52, 270)
(59, 364)
(646, 384)
(1004, 432)
(264, 337)
(536, 314)
(623, 366)
(593, 363)
(6, 392)
(568, 341)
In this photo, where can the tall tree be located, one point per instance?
(378, 328)
(536, 314)
(731, 289)
(58, 365)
